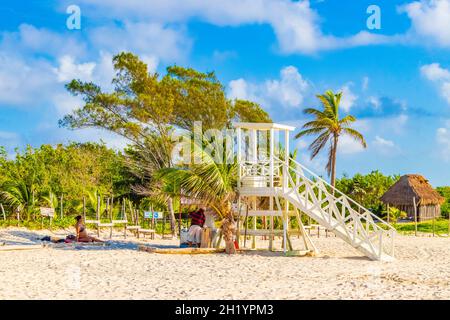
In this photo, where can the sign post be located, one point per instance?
(46, 212)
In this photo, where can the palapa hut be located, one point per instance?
(414, 189)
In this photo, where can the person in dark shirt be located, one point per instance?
(198, 217)
(196, 228)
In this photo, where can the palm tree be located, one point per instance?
(144, 161)
(212, 183)
(19, 195)
(329, 128)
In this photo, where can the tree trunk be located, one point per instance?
(333, 161)
(3, 211)
(228, 230)
(172, 215)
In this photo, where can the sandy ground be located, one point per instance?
(119, 271)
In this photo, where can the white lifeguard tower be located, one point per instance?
(276, 190)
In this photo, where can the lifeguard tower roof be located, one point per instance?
(262, 126)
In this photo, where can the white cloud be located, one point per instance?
(430, 20)
(435, 72)
(286, 92)
(348, 98)
(374, 101)
(237, 89)
(441, 76)
(385, 146)
(152, 41)
(42, 41)
(365, 83)
(302, 144)
(348, 145)
(443, 140)
(316, 165)
(445, 91)
(221, 56)
(69, 70)
(65, 103)
(289, 89)
(379, 141)
(295, 23)
(23, 83)
(9, 140)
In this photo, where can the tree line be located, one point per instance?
(146, 109)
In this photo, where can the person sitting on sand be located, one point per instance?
(82, 235)
(196, 228)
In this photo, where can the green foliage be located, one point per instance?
(441, 227)
(144, 103)
(367, 189)
(209, 181)
(396, 214)
(445, 207)
(248, 111)
(39, 176)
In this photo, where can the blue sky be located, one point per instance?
(280, 53)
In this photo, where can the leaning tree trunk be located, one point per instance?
(228, 231)
(172, 215)
(333, 162)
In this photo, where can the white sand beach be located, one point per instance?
(119, 271)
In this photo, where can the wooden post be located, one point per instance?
(98, 215)
(415, 216)
(271, 223)
(84, 209)
(272, 169)
(246, 225)
(254, 145)
(112, 208)
(448, 232)
(388, 213)
(264, 226)
(285, 226)
(124, 217)
(153, 218)
(254, 225)
(239, 155)
(62, 209)
(179, 223)
(285, 186)
(434, 219)
(286, 165)
(107, 207)
(98, 209)
(238, 231)
(163, 229)
(32, 202)
(3, 212)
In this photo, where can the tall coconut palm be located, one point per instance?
(212, 183)
(329, 127)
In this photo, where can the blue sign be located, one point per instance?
(154, 215)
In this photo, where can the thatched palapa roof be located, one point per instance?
(410, 186)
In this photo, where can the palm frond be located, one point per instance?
(355, 135)
(309, 132)
(319, 143)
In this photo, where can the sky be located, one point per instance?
(395, 78)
